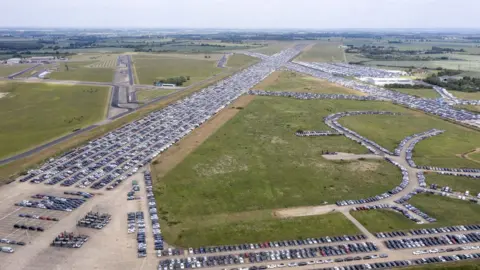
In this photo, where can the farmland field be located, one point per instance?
(296, 82)
(446, 64)
(457, 183)
(79, 71)
(6, 70)
(323, 52)
(150, 68)
(34, 113)
(149, 94)
(421, 92)
(447, 211)
(101, 60)
(255, 163)
(240, 60)
(442, 150)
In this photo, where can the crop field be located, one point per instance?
(34, 113)
(144, 95)
(79, 71)
(447, 211)
(323, 52)
(296, 82)
(457, 183)
(6, 70)
(150, 69)
(443, 150)
(421, 92)
(240, 60)
(255, 163)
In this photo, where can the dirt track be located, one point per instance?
(175, 154)
(348, 156)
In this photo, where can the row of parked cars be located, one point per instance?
(52, 203)
(427, 231)
(458, 174)
(308, 133)
(419, 137)
(121, 152)
(449, 239)
(395, 208)
(38, 217)
(266, 245)
(141, 238)
(332, 121)
(443, 250)
(69, 240)
(94, 220)
(28, 227)
(153, 212)
(397, 189)
(453, 171)
(404, 263)
(12, 242)
(421, 179)
(427, 105)
(308, 96)
(268, 256)
(131, 222)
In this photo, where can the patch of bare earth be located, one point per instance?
(3, 95)
(363, 166)
(304, 211)
(175, 154)
(348, 156)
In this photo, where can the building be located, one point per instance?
(384, 81)
(13, 61)
(41, 59)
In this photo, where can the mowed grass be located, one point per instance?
(457, 183)
(443, 150)
(472, 108)
(447, 211)
(262, 230)
(240, 60)
(149, 94)
(6, 70)
(459, 265)
(421, 92)
(323, 52)
(152, 68)
(295, 82)
(79, 71)
(34, 113)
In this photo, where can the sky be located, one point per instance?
(249, 14)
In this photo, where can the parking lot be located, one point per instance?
(123, 154)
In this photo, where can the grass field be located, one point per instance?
(255, 163)
(149, 94)
(13, 169)
(6, 70)
(274, 47)
(35, 113)
(295, 82)
(240, 60)
(425, 93)
(79, 71)
(466, 95)
(447, 211)
(457, 183)
(262, 229)
(442, 150)
(98, 60)
(153, 67)
(323, 52)
(472, 108)
(446, 64)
